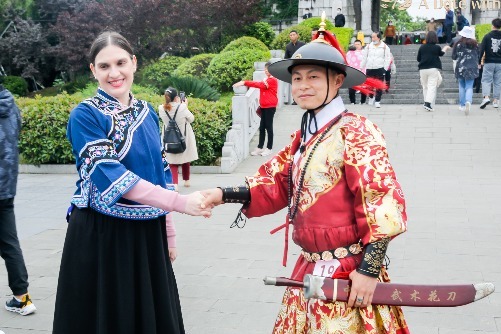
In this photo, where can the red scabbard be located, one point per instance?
(390, 293)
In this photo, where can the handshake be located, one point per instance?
(201, 203)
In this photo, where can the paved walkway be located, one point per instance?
(448, 167)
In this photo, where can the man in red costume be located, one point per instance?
(344, 201)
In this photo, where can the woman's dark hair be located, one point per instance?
(268, 63)
(170, 95)
(469, 42)
(109, 38)
(431, 37)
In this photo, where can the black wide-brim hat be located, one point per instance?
(321, 54)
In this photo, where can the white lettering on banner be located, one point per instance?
(438, 4)
(326, 268)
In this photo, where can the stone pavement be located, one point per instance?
(446, 162)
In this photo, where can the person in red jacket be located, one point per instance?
(268, 101)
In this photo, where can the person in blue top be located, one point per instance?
(448, 23)
(116, 274)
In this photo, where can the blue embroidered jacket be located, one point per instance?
(115, 146)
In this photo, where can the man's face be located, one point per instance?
(374, 37)
(293, 37)
(447, 8)
(309, 85)
(358, 45)
(313, 33)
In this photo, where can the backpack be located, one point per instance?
(174, 141)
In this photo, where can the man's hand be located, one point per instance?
(213, 197)
(238, 84)
(362, 289)
(195, 205)
(172, 254)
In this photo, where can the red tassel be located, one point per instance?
(332, 40)
(375, 83)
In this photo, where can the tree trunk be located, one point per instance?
(375, 16)
(357, 7)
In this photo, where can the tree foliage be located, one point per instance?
(401, 19)
(22, 49)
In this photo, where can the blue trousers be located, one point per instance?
(465, 91)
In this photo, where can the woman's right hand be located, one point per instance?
(195, 205)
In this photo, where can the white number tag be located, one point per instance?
(326, 268)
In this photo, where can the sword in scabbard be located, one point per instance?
(332, 289)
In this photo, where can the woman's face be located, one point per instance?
(114, 70)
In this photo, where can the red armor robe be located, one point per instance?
(350, 193)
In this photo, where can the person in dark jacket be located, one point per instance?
(491, 75)
(465, 52)
(429, 68)
(339, 20)
(10, 250)
(461, 21)
(448, 23)
(292, 47)
(294, 44)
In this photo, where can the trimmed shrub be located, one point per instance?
(195, 66)
(343, 36)
(246, 43)
(481, 30)
(230, 67)
(212, 121)
(43, 135)
(156, 72)
(314, 22)
(263, 31)
(282, 39)
(16, 85)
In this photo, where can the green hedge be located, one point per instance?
(195, 66)
(314, 22)
(246, 42)
(43, 135)
(263, 31)
(16, 85)
(159, 70)
(227, 68)
(481, 30)
(343, 35)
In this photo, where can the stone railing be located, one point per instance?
(245, 121)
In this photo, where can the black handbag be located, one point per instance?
(174, 141)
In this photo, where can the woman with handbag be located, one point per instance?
(176, 109)
(116, 273)
(268, 101)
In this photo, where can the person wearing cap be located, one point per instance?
(490, 52)
(343, 199)
(465, 53)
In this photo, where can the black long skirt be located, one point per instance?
(116, 277)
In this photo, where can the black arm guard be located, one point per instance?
(374, 254)
(236, 194)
